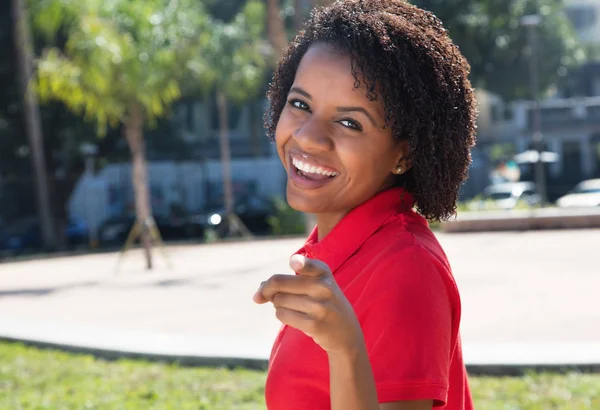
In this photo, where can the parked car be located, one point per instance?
(77, 232)
(585, 194)
(20, 235)
(114, 230)
(508, 194)
(253, 211)
(25, 234)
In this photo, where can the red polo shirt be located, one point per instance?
(393, 271)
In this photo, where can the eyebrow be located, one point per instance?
(300, 91)
(358, 109)
(339, 109)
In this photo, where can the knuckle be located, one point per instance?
(322, 266)
(280, 314)
(325, 289)
(276, 280)
(319, 311)
(278, 299)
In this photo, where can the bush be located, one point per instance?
(480, 203)
(286, 221)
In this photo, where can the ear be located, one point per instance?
(404, 163)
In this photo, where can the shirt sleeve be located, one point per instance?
(408, 324)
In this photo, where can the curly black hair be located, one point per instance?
(403, 55)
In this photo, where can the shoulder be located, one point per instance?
(404, 257)
(406, 241)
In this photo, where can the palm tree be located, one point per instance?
(24, 54)
(276, 28)
(122, 64)
(234, 64)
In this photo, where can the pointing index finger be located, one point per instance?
(308, 267)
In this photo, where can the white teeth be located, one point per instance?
(311, 169)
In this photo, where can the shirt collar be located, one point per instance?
(356, 227)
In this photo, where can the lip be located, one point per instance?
(303, 183)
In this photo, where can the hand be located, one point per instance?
(313, 303)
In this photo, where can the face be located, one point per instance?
(332, 139)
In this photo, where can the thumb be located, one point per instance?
(258, 297)
(309, 267)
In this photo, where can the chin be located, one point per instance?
(302, 203)
(297, 202)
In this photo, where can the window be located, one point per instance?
(596, 87)
(572, 160)
(234, 112)
(496, 111)
(596, 150)
(584, 190)
(528, 192)
(498, 196)
(582, 16)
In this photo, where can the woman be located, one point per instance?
(373, 117)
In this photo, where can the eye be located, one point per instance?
(299, 104)
(353, 125)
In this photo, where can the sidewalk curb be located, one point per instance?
(516, 370)
(478, 369)
(116, 249)
(111, 355)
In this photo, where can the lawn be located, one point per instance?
(44, 379)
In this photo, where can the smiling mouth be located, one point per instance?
(312, 172)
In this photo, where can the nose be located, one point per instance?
(314, 134)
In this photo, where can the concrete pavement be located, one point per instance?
(529, 298)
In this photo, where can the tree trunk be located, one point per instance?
(225, 158)
(298, 15)
(276, 29)
(256, 130)
(24, 54)
(134, 127)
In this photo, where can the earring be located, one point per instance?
(399, 170)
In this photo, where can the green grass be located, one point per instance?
(44, 379)
(536, 391)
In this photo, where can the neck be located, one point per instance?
(326, 222)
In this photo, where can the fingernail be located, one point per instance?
(258, 292)
(297, 262)
(260, 287)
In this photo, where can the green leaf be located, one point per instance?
(117, 51)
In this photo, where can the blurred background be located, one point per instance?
(126, 122)
(176, 90)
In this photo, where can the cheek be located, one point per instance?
(359, 155)
(365, 159)
(285, 127)
(282, 133)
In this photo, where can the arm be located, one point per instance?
(352, 385)
(351, 382)
(313, 303)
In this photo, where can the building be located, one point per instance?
(570, 128)
(570, 120)
(570, 125)
(189, 178)
(585, 17)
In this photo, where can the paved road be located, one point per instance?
(527, 297)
